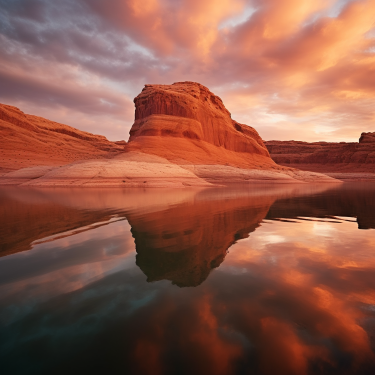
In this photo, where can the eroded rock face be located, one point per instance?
(27, 140)
(186, 121)
(351, 156)
(182, 136)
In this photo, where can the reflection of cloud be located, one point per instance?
(323, 229)
(290, 354)
(63, 265)
(288, 299)
(326, 275)
(303, 305)
(273, 238)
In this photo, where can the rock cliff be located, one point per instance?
(182, 136)
(28, 141)
(185, 121)
(326, 156)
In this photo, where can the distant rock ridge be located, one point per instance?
(367, 138)
(15, 116)
(320, 156)
(28, 140)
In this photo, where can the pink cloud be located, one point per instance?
(286, 64)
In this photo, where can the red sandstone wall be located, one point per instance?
(324, 153)
(209, 120)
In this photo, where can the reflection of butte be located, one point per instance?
(184, 243)
(355, 201)
(28, 215)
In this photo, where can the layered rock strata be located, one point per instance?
(28, 141)
(189, 125)
(182, 136)
(186, 123)
(342, 158)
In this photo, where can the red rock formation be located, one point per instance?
(182, 136)
(28, 140)
(187, 122)
(325, 156)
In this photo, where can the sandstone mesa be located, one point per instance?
(343, 160)
(182, 136)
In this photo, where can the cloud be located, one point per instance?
(309, 62)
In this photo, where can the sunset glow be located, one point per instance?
(292, 69)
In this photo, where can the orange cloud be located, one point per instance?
(281, 65)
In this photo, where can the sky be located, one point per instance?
(292, 69)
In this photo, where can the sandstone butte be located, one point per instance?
(182, 136)
(343, 160)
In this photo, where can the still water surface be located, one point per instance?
(251, 280)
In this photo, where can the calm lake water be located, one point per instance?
(246, 280)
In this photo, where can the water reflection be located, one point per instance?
(350, 200)
(275, 280)
(185, 242)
